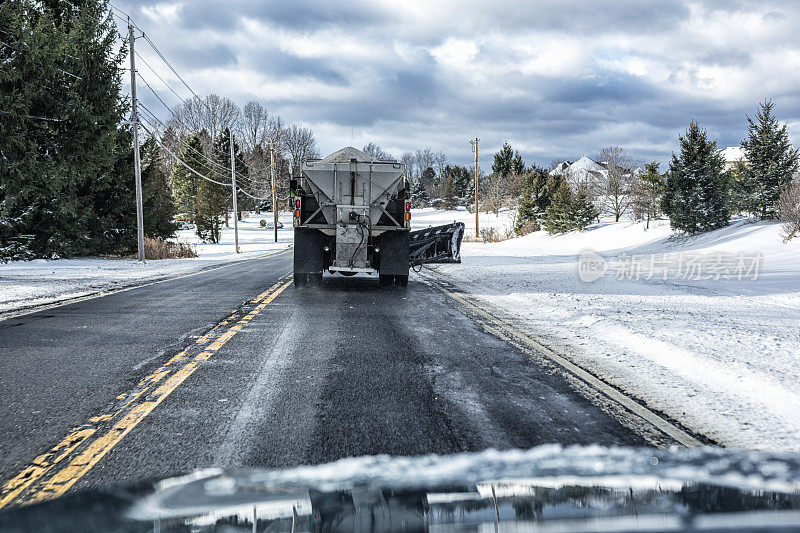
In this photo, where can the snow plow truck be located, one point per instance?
(352, 214)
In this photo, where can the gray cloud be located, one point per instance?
(558, 78)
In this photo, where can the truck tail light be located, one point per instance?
(297, 213)
(408, 215)
(408, 207)
(297, 204)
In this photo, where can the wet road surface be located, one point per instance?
(319, 373)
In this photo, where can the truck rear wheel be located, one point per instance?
(300, 279)
(401, 280)
(385, 280)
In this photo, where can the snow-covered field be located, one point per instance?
(422, 218)
(705, 329)
(25, 284)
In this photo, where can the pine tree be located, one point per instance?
(772, 161)
(159, 209)
(60, 84)
(212, 204)
(533, 201)
(558, 216)
(507, 161)
(582, 210)
(648, 191)
(419, 196)
(462, 181)
(221, 154)
(695, 197)
(743, 184)
(448, 192)
(186, 183)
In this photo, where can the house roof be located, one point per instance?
(733, 154)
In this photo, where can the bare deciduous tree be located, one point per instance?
(253, 125)
(377, 152)
(789, 209)
(439, 163)
(213, 113)
(301, 145)
(616, 185)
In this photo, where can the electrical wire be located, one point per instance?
(181, 161)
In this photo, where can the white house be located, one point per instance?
(732, 155)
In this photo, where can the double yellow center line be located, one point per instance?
(52, 473)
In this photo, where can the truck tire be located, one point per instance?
(401, 280)
(385, 280)
(300, 279)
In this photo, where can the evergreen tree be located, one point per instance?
(695, 197)
(212, 205)
(419, 196)
(743, 185)
(558, 216)
(60, 85)
(771, 160)
(582, 210)
(507, 161)
(428, 178)
(462, 178)
(448, 192)
(186, 183)
(648, 191)
(533, 201)
(221, 154)
(159, 209)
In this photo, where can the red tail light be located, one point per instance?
(297, 204)
(408, 206)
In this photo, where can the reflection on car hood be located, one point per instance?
(548, 488)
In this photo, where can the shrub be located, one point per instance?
(161, 249)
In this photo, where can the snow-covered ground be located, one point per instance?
(705, 329)
(422, 218)
(26, 284)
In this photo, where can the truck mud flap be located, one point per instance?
(438, 244)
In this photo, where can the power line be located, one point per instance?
(31, 117)
(160, 78)
(246, 179)
(181, 161)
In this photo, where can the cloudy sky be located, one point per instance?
(555, 78)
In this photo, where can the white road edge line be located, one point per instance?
(589, 379)
(11, 314)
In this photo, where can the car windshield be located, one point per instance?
(383, 266)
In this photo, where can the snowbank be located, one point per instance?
(25, 284)
(705, 328)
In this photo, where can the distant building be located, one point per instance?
(732, 155)
(583, 171)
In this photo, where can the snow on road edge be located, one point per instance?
(721, 356)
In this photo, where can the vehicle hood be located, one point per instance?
(548, 488)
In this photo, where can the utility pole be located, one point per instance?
(137, 165)
(474, 144)
(274, 193)
(235, 204)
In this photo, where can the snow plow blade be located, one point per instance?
(439, 244)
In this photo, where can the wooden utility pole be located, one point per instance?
(235, 200)
(474, 144)
(137, 165)
(274, 192)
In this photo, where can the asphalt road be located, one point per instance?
(318, 374)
